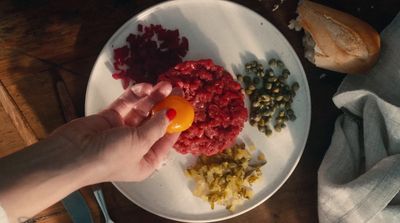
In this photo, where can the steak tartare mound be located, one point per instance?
(218, 103)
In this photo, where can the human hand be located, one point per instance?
(121, 143)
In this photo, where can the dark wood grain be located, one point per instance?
(17, 118)
(41, 40)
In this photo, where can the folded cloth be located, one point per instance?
(359, 178)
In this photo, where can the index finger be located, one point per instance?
(113, 116)
(127, 100)
(142, 107)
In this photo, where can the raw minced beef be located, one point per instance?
(218, 102)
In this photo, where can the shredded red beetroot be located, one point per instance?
(150, 52)
(218, 103)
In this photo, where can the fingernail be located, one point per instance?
(171, 113)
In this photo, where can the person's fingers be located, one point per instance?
(159, 151)
(143, 106)
(126, 101)
(104, 120)
(133, 106)
(151, 131)
(113, 115)
(160, 91)
(142, 89)
(177, 92)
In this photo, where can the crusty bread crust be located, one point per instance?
(344, 43)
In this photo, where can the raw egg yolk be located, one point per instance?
(184, 112)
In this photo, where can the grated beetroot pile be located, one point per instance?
(218, 103)
(149, 53)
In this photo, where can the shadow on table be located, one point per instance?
(41, 37)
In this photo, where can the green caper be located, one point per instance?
(288, 106)
(279, 120)
(252, 87)
(272, 63)
(260, 128)
(286, 72)
(256, 104)
(272, 102)
(252, 122)
(295, 86)
(270, 72)
(268, 132)
(260, 73)
(260, 66)
(279, 98)
(248, 66)
(257, 118)
(286, 98)
(281, 104)
(278, 127)
(266, 119)
(270, 112)
(261, 122)
(292, 117)
(290, 112)
(272, 79)
(254, 96)
(247, 80)
(280, 64)
(268, 86)
(275, 90)
(263, 106)
(256, 80)
(239, 77)
(282, 114)
(281, 79)
(265, 98)
(248, 91)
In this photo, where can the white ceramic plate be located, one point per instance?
(229, 34)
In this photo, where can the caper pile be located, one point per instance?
(270, 95)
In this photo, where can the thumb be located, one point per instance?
(152, 130)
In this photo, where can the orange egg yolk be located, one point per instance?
(184, 112)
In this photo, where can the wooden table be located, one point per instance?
(42, 39)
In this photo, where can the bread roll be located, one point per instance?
(337, 41)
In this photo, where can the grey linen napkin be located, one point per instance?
(359, 178)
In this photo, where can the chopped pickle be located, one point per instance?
(226, 178)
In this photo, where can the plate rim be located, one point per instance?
(307, 93)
